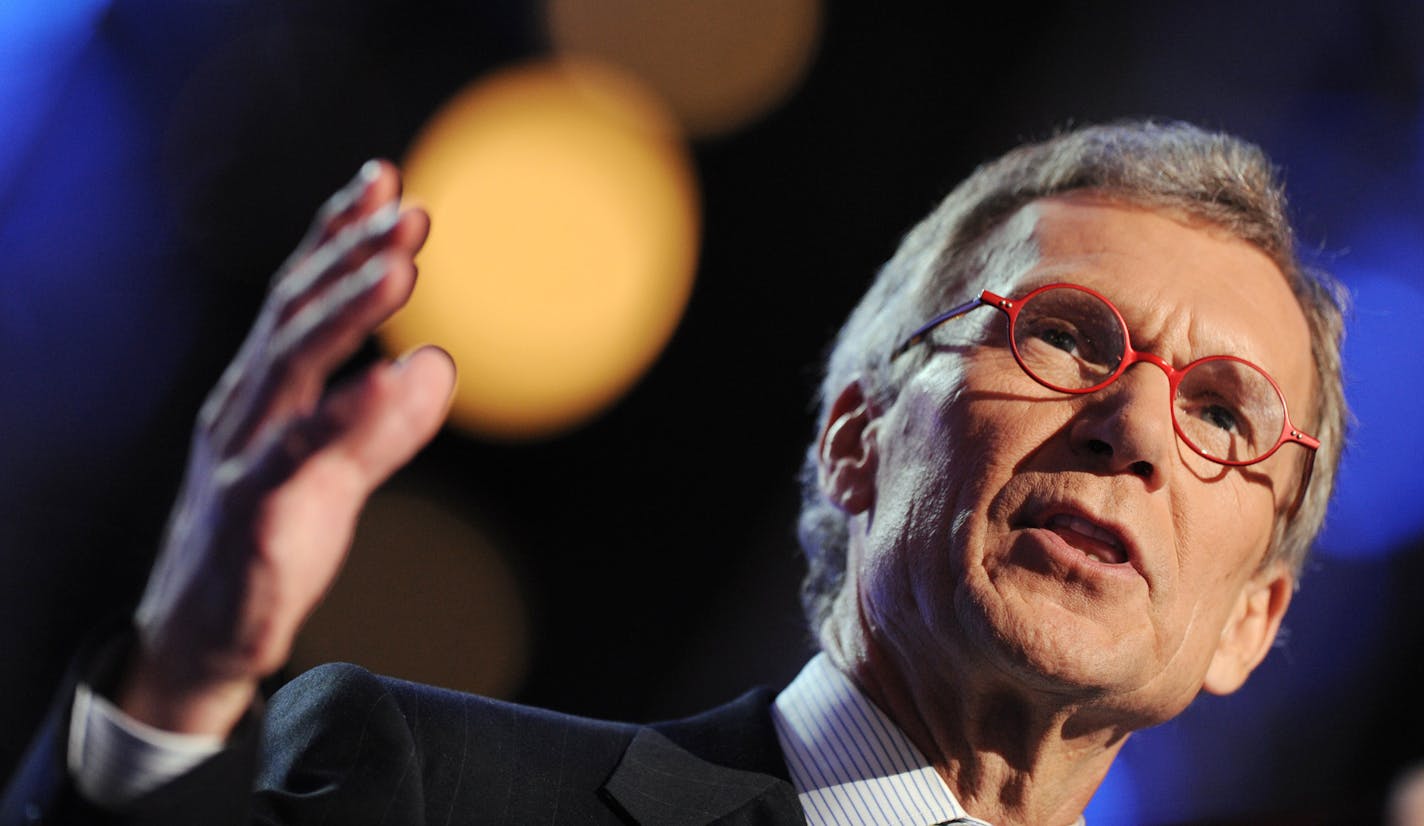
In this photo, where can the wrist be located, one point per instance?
(210, 707)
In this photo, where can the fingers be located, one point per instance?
(344, 251)
(376, 183)
(286, 376)
(281, 465)
(364, 429)
(412, 230)
(320, 311)
(382, 422)
(385, 228)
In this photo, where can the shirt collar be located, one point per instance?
(850, 764)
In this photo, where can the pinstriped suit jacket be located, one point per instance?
(340, 746)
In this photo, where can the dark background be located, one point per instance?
(159, 159)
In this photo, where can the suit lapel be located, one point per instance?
(658, 783)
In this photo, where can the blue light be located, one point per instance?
(1116, 799)
(1375, 510)
(93, 318)
(39, 42)
(1357, 161)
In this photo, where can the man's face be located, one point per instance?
(997, 512)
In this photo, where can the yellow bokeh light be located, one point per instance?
(719, 63)
(562, 248)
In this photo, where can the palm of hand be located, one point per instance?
(280, 466)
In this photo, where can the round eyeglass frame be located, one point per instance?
(1011, 308)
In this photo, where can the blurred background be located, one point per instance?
(650, 218)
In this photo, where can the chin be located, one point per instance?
(1066, 650)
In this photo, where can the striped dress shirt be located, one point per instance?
(850, 764)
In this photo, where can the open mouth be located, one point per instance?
(1094, 541)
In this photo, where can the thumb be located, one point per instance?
(382, 419)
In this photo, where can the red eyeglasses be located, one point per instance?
(1072, 339)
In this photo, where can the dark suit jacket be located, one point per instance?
(344, 747)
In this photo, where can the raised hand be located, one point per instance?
(280, 465)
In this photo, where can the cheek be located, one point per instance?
(1227, 521)
(917, 478)
(910, 559)
(940, 513)
(1223, 530)
(990, 431)
(1002, 415)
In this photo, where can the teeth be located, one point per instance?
(1082, 526)
(1094, 554)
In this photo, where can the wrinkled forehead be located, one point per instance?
(1184, 286)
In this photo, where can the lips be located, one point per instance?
(1093, 540)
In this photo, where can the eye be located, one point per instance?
(1221, 417)
(1058, 337)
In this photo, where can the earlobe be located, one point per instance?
(847, 452)
(1251, 629)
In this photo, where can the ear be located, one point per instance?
(847, 452)
(1251, 629)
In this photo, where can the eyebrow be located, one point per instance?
(1217, 344)
(1032, 279)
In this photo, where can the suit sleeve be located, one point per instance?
(344, 746)
(337, 748)
(42, 791)
(339, 745)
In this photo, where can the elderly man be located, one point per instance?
(1074, 444)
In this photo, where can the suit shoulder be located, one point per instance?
(739, 733)
(350, 700)
(338, 736)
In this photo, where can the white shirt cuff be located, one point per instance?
(116, 759)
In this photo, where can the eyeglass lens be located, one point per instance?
(1073, 341)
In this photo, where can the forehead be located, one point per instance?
(1185, 287)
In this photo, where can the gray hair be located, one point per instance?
(1207, 176)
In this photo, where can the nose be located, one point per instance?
(1127, 427)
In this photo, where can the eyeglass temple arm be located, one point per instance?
(1311, 445)
(918, 335)
(1304, 482)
